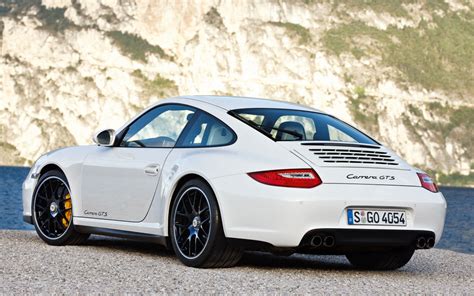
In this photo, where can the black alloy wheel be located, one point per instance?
(196, 230)
(192, 222)
(52, 210)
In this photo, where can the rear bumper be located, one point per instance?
(350, 240)
(283, 216)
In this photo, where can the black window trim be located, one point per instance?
(234, 113)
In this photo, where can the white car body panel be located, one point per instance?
(69, 160)
(112, 180)
(344, 173)
(114, 184)
(281, 216)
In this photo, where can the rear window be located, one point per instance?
(296, 125)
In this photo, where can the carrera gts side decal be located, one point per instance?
(97, 214)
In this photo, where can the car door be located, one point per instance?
(119, 182)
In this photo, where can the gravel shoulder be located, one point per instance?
(109, 265)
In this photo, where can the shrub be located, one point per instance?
(436, 55)
(135, 46)
(158, 86)
(214, 18)
(360, 92)
(297, 30)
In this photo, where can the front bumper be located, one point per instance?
(28, 187)
(28, 219)
(283, 216)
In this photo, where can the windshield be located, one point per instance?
(296, 125)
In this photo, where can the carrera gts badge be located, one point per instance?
(382, 177)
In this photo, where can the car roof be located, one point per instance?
(233, 103)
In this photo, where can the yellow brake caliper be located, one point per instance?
(67, 210)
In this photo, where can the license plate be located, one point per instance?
(376, 217)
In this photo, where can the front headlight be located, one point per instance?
(36, 168)
(39, 164)
(34, 171)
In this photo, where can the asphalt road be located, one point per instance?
(105, 265)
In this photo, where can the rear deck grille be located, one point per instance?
(361, 156)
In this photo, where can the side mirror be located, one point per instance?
(105, 138)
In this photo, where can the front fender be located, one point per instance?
(69, 161)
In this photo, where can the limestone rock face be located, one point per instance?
(70, 67)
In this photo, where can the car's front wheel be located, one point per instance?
(383, 260)
(196, 230)
(52, 210)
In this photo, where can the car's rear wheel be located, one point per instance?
(387, 260)
(196, 230)
(52, 210)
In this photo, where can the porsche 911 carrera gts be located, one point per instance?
(211, 177)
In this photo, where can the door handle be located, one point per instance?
(152, 169)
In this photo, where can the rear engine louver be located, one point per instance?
(353, 156)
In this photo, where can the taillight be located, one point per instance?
(427, 182)
(299, 178)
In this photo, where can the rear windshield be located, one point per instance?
(296, 125)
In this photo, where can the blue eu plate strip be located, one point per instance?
(350, 217)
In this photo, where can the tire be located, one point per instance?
(52, 211)
(389, 260)
(190, 224)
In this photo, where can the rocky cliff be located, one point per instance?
(401, 70)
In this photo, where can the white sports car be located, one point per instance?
(213, 176)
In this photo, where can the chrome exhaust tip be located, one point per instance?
(430, 242)
(329, 241)
(316, 241)
(421, 243)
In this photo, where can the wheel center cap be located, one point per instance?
(196, 222)
(53, 208)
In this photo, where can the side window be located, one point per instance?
(208, 131)
(338, 135)
(257, 119)
(159, 127)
